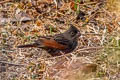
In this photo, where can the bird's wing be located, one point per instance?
(45, 42)
(58, 42)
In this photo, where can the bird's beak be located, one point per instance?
(77, 35)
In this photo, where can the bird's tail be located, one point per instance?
(27, 45)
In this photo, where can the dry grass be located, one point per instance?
(96, 58)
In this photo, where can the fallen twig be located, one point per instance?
(90, 48)
(12, 64)
(79, 50)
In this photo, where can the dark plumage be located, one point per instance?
(65, 42)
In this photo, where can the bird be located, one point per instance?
(64, 42)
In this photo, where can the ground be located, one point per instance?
(97, 56)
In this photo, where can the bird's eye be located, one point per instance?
(72, 33)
